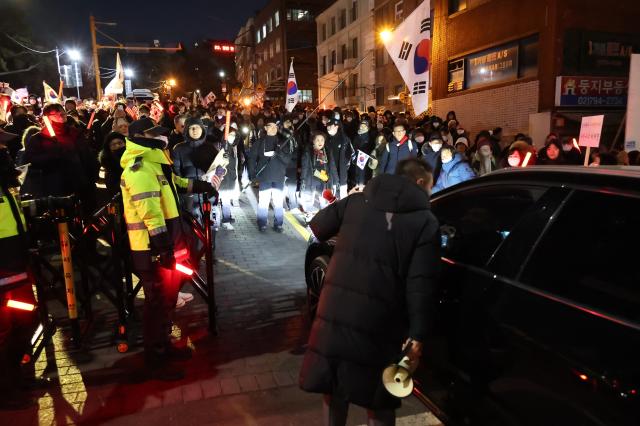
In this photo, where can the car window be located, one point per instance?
(508, 259)
(474, 222)
(589, 254)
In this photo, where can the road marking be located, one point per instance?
(293, 221)
(242, 270)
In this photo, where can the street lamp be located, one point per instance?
(385, 35)
(172, 82)
(129, 73)
(221, 74)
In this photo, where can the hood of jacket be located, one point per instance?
(149, 149)
(396, 194)
(446, 167)
(187, 138)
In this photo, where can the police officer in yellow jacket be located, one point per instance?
(151, 208)
(16, 325)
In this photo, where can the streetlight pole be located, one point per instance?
(75, 65)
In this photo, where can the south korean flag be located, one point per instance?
(410, 48)
(362, 160)
(293, 94)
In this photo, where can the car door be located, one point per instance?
(570, 316)
(474, 222)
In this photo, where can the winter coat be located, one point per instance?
(308, 180)
(379, 289)
(230, 179)
(60, 166)
(478, 162)
(394, 153)
(452, 173)
(365, 143)
(191, 159)
(18, 127)
(341, 151)
(111, 164)
(267, 168)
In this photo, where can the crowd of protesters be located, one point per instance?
(291, 157)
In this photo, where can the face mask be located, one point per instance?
(514, 161)
(231, 138)
(461, 131)
(332, 130)
(419, 139)
(379, 126)
(567, 148)
(219, 116)
(436, 146)
(436, 125)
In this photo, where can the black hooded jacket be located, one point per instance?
(191, 158)
(378, 290)
(111, 163)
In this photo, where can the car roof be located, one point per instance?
(625, 178)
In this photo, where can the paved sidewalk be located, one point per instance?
(246, 375)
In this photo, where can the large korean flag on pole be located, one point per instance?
(293, 94)
(410, 48)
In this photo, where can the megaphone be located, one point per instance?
(397, 377)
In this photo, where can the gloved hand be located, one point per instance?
(167, 260)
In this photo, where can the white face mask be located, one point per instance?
(436, 125)
(514, 161)
(332, 130)
(362, 131)
(436, 146)
(231, 138)
(567, 147)
(419, 139)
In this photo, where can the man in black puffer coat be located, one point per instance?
(378, 291)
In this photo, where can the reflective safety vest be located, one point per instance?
(8, 221)
(149, 199)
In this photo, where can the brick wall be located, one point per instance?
(487, 109)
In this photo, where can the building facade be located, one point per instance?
(246, 72)
(528, 66)
(282, 30)
(346, 43)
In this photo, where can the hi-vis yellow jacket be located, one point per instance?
(149, 198)
(13, 247)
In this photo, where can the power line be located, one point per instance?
(26, 47)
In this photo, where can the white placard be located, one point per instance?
(632, 132)
(590, 131)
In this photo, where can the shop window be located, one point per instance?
(456, 76)
(306, 96)
(528, 57)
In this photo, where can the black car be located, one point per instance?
(538, 320)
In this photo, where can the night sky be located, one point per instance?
(66, 22)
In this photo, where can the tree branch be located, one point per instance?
(19, 71)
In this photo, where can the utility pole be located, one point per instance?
(96, 65)
(95, 46)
